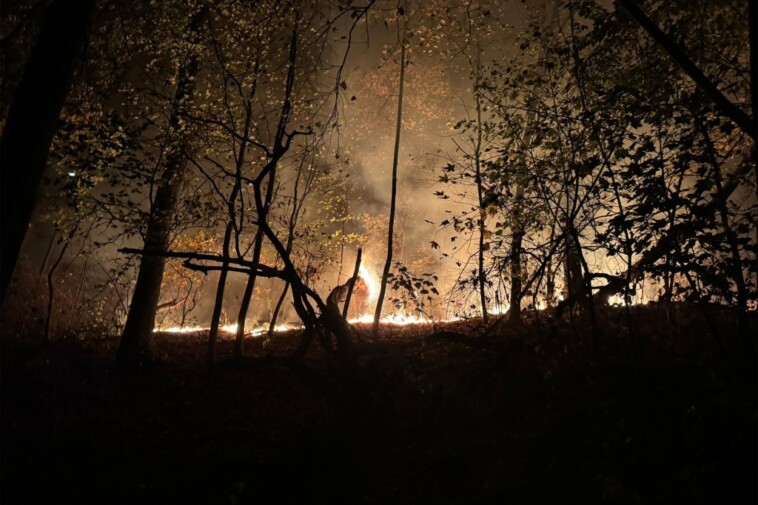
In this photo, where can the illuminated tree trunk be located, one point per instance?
(135, 349)
(33, 120)
(388, 262)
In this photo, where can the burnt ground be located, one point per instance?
(509, 415)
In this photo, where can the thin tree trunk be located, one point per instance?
(230, 227)
(221, 286)
(300, 292)
(587, 289)
(33, 120)
(247, 296)
(48, 252)
(514, 312)
(342, 254)
(350, 287)
(297, 204)
(480, 189)
(398, 126)
(258, 240)
(239, 341)
(77, 296)
(278, 308)
(51, 290)
(550, 273)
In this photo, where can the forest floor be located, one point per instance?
(531, 414)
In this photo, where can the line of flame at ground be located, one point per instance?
(399, 319)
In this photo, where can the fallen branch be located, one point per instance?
(208, 268)
(261, 270)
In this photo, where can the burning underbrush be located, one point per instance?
(355, 303)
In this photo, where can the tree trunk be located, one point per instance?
(33, 120)
(221, 287)
(550, 274)
(278, 308)
(586, 293)
(300, 292)
(480, 190)
(297, 203)
(239, 341)
(247, 296)
(51, 290)
(518, 235)
(514, 312)
(388, 262)
(74, 312)
(136, 342)
(353, 280)
(573, 268)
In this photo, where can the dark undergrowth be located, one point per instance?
(499, 414)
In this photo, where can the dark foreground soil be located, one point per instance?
(509, 415)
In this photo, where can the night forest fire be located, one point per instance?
(399, 251)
